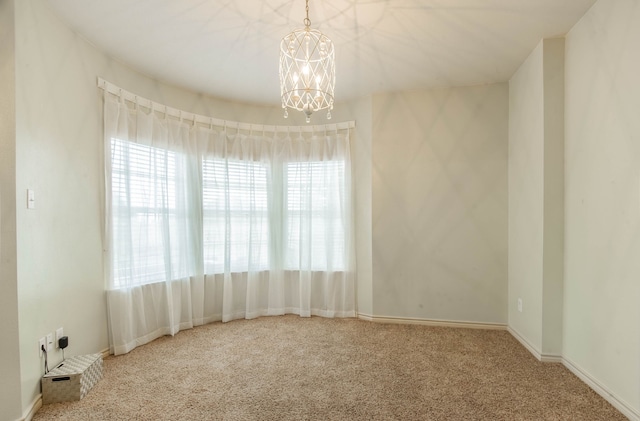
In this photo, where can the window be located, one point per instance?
(247, 212)
(235, 215)
(255, 213)
(237, 218)
(144, 205)
(315, 197)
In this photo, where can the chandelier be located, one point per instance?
(307, 70)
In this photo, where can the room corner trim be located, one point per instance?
(32, 409)
(105, 353)
(366, 317)
(540, 356)
(550, 358)
(602, 390)
(431, 322)
(583, 375)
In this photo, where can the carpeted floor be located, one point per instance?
(291, 368)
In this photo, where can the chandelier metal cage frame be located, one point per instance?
(307, 70)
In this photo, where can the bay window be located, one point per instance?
(204, 223)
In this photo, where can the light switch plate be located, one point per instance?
(50, 342)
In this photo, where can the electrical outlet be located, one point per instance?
(42, 342)
(50, 342)
(59, 334)
(520, 305)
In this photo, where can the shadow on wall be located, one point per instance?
(440, 204)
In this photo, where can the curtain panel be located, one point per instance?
(204, 223)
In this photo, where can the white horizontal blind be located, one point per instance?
(145, 217)
(235, 200)
(235, 216)
(315, 217)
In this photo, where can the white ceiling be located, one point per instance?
(229, 48)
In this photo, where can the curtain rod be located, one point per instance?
(197, 118)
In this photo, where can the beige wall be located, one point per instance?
(553, 207)
(431, 196)
(10, 397)
(361, 159)
(58, 156)
(536, 198)
(440, 204)
(58, 145)
(526, 190)
(602, 265)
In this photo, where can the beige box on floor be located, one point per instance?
(72, 379)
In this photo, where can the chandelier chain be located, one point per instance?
(307, 21)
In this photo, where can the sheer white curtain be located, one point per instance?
(205, 223)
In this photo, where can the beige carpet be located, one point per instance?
(291, 368)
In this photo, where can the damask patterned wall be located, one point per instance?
(440, 204)
(602, 200)
(9, 354)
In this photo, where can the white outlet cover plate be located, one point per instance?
(50, 342)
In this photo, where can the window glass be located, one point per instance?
(143, 187)
(235, 215)
(153, 222)
(315, 236)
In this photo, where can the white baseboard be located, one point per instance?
(431, 322)
(32, 409)
(366, 317)
(583, 375)
(602, 390)
(105, 353)
(545, 358)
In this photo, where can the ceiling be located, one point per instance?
(229, 48)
